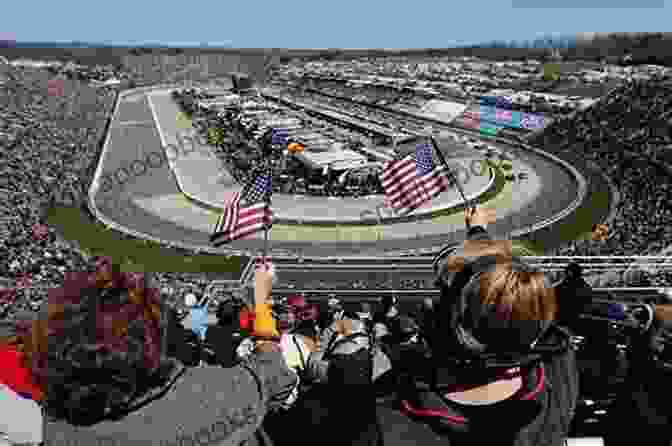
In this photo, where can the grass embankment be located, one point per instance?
(133, 254)
(578, 226)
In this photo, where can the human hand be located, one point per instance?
(263, 281)
(479, 216)
(663, 312)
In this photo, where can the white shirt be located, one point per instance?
(21, 419)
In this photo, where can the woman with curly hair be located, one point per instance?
(97, 359)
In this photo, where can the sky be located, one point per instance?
(324, 24)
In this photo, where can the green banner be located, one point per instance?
(487, 130)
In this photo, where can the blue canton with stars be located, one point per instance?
(423, 159)
(279, 136)
(258, 191)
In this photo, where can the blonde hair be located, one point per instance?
(523, 295)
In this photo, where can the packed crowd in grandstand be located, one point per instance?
(627, 134)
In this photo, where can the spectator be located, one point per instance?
(306, 318)
(641, 405)
(491, 303)
(574, 294)
(388, 309)
(333, 312)
(125, 387)
(365, 315)
(344, 401)
(223, 338)
(426, 315)
(19, 395)
(197, 319)
(182, 343)
(389, 317)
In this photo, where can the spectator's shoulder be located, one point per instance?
(206, 405)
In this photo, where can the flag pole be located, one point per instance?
(267, 226)
(450, 173)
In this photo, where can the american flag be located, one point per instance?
(413, 180)
(246, 212)
(279, 137)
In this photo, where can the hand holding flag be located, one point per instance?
(413, 181)
(247, 211)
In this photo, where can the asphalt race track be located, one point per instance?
(133, 136)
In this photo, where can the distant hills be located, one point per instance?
(635, 48)
(78, 44)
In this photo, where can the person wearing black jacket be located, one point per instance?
(182, 343)
(453, 402)
(223, 338)
(425, 315)
(342, 403)
(574, 293)
(642, 406)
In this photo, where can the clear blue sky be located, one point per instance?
(322, 24)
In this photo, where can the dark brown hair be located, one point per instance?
(93, 344)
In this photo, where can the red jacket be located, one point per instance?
(246, 319)
(15, 376)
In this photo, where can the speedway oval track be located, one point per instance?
(132, 136)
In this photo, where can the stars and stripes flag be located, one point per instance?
(247, 211)
(413, 180)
